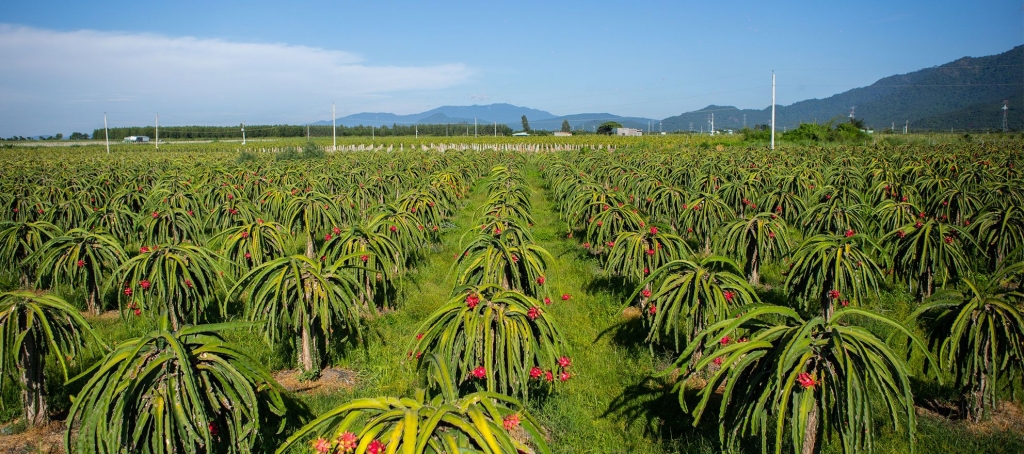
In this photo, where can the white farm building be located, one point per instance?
(628, 132)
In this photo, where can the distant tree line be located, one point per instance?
(259, 131)
(58, 136)
(851, 131)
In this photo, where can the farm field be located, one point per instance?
(586, 294)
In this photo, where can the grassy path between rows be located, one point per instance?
(608, 404)
(383, 366)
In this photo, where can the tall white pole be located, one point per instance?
(243, 133)
(712, 123)
(105, 133)
(773, 111)
(495, 129)
(157, 130)
(474, 127)
(334, 127)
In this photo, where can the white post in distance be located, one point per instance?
(157, 142)
(243, 133)
(334, 127)
(773, 111)
(105, 133)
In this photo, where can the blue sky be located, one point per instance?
(221, 63)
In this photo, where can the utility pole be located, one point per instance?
(243, 133)
(1006, 108)
(495, 129)
(307, 132)
(906, 126)
(773, 111)
(334, 126)
(105, 133)
(417, 131)
(474, 127)
(659, 128)
(744, 121)
(712, 123)
(158, 130)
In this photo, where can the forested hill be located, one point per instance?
(963, 94)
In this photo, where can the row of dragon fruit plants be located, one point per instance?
(832, 230)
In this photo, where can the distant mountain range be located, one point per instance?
(964, 94)
(507, 114)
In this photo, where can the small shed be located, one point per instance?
(136, 139)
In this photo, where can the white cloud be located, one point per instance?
(46, 71)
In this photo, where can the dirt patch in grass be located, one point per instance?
(1009, 417)
(47, 439)
(331, 379)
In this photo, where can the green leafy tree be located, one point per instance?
(33, 325)
(175, 391)
(565, 126)
(526, 124)
(483, 422)
(608, 128)
(304, 299)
